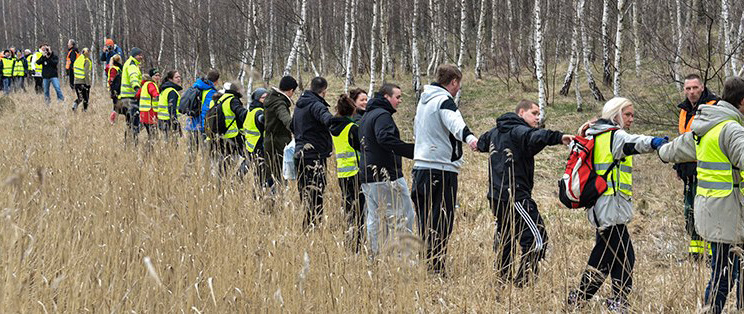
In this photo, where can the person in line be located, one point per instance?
(716, 143)
(345, 133)
(386, 193)
(229, 147)
(696, 94)
(72, 54)
(439, 131)
(113, 81)
(83, 68)
(360, 98)
(313, 146)
(195, 125)
(109, 51)
(19, 72)
(35, 71)
(7, 66)
(613, 252)
(149, 99)
(252, 129)
(512, 146)
(49, 62)
(131, 82)
(277, 133)
(168, 106)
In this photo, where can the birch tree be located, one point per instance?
(463, 26)
(350, 49)
(385, 62)
(574, 58)
(174, 35)
(414, 51)
(267, 62)
(297, 42)
(479, 40)
(730, 67)
(162, 33)
(607, 75)
(619, 46)
(539, 66)
(637, 37)
(678, 48)
(372, 52)
(585, 52)
(210, 49)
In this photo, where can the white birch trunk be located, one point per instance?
(577, 89)
(728, 48)
(5, 21)
(585, 52)
(309, 56)
(350, 49)
(479, 41)
(414, 51)
(210, 49)
(637, 37)
(539, 66)
(246, 48)
(463, 25)
(297, 42)
(494, 28)
(347, 26)
(174, 34)
(113, 14)
(322, 43)
(162, 34)
(36, 21)
(739, 42)
(435, 37)
(94, 29)
(384, 65)
(678, 49)
(267, 66)
(574, 58)
(619, 46)
(251, 74)
(607, 75)
(509, 45)
(372, 47)
(125, 18)
(59, 24)
(104, 18)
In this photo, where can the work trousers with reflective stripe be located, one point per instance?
(353, 210)
(311, 182)
(612, 255)
(520, 223)
(434, 194)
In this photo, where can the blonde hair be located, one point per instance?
(613, 109)
(86, 52)
(116, 58)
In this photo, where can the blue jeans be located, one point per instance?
(725, 273)
(55, 83)
(7, 82)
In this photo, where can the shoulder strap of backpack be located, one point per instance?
(615, 162)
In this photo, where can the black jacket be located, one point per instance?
(358, 115)
(512, 145)
(172, 99)
(338, 124)
(48, 65)
(310, 126)
(687, 171)
(381, 146)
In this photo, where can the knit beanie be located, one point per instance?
(153, 72)
(258, 93)
(287, 83)
(135, 52)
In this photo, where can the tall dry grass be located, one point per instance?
(91, 225)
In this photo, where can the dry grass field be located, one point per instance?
(88, 225)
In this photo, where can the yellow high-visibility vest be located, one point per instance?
(347, 158)
(621, 178)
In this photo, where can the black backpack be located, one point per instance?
(191, 102)
(214, 121)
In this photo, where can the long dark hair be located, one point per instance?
(344, 106)
(354, 93)
(169, 76)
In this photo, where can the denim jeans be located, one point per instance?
(389, 201)
(725, 266)
(55, 83)
(7, 81)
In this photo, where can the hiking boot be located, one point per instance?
(617, 305)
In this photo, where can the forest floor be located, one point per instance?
(91, 225)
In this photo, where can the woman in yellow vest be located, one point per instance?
(82, 71)
(345, 134)
(168, 105)
(613, 252)
(149, 98)
(113, 81)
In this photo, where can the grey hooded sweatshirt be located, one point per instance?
(716, 219)
(439, 131)
(616, 209)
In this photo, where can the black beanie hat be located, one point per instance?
(287, 83)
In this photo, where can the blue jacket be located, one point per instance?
(198, 123)
(106, 56)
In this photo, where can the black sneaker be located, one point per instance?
(618, 305)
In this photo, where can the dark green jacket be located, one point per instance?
(277, 133)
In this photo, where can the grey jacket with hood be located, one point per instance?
(439, 131)
(716, 219)
(616, 209)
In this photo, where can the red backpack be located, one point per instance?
(580, 185)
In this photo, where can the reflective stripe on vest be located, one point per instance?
(347, 158)
(18, 68)
(130, 78)
(108, 74)
(232, 127)
(715, 173)
(146, 101)
(79, 68)
(250, 130)
(37, 67)
(621, 177)
(7, 67)
(162, 108)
